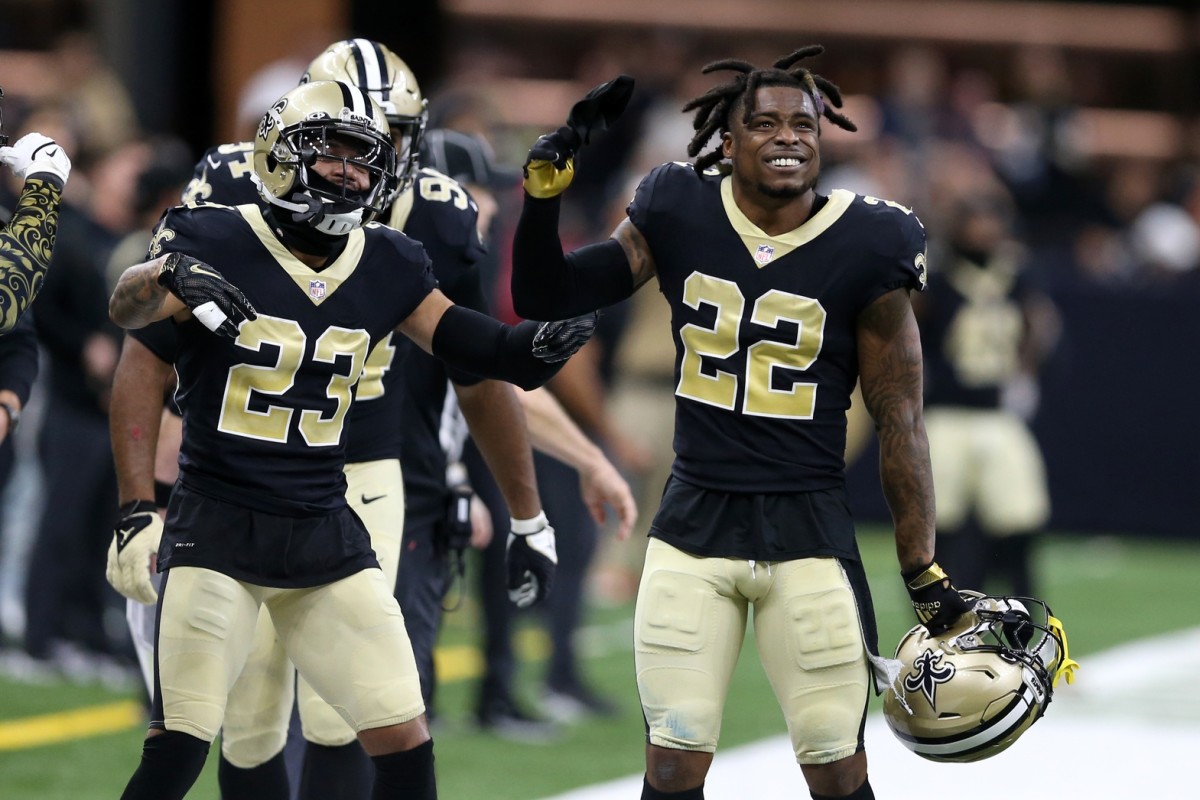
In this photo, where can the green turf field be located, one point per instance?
(1105, 589)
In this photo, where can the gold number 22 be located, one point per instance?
(720, 389)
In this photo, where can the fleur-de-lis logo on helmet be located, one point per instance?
(928, 672)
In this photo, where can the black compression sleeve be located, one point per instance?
(548, 285)
(478, 344)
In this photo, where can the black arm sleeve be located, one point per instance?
(547, 285)
(478, 344)
(19, 359)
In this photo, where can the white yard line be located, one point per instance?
(1114, 734)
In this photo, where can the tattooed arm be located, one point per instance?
(140, 299)
(889, 357)
(26, 245)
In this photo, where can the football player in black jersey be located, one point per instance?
(985, 329)
(781, 297)
(398, 402)
(27, 235)
(268, 362)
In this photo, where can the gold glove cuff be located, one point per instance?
(932, 574)
(543, 180)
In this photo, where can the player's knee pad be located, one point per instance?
(206, 632)
(251, 749)
(260, 702)
(319, 721)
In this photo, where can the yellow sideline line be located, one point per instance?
(453, 663)
(18, 734)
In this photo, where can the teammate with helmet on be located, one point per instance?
(267, 364)
(27, 235)
(781, 297)
(393, 421)
(969, 692)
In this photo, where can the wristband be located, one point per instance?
(925, 577)
(524, 527)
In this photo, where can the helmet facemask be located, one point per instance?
(333, 205)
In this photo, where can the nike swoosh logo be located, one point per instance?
(212, 162)
(202, 271)
(366, 500)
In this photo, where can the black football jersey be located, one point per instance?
(223, 176)
(265, 415)
(403, 411)
(764, 326)
(399, 398)
(972, 329)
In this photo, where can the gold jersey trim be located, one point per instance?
(317, 286)
(765, 248)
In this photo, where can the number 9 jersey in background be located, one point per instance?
(765, 326)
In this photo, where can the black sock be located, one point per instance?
(341, 772)
(861, 793)
(171, 762)
(407, 775)
(267, 781)
(650, 793)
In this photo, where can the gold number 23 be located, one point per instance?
(287, 337)
(762, 358)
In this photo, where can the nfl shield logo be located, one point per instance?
(316, 289)
(764, 254)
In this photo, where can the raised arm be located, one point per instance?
(890, 370)
(27, 242)
(546, 284)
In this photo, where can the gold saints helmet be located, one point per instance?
(382, 74)
(969, 693)
(324, 121)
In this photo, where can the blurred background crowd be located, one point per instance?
(1072, 128)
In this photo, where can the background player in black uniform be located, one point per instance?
(259, 515)
(985, 330)
(780, 299)
(27, 235)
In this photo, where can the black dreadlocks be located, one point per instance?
(713, 107)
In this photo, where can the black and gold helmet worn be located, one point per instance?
(383, 75)
(331, 121)
(970, 692)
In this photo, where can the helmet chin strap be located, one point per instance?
(305, 237)
(310, 211)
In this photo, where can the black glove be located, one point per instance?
(550, 165)
(558, 341)
(531, 559)
(215, 302)
(937, 603)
